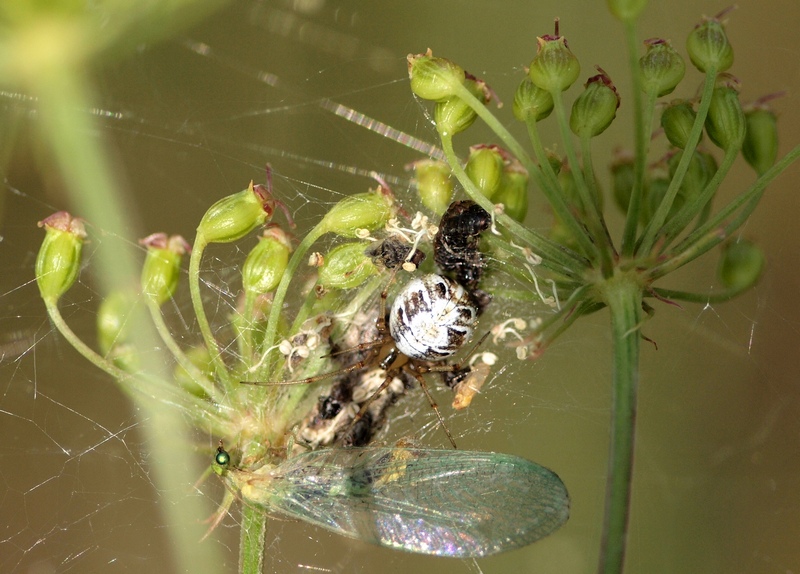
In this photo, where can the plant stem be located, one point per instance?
(193, 371)
(202, 321)
(251, 539)
(266, 371)
(555, 256)
(623, 295)
(64, 107)
(641, 139)
(651, 232)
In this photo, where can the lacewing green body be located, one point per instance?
(440, 502)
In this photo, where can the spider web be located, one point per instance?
(295, 85)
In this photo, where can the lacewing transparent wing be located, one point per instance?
(440, 502)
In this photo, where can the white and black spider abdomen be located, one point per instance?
(431, 318)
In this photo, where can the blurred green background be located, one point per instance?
(717, 476)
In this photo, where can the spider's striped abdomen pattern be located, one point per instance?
(431, 318)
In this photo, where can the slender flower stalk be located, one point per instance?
(670, 217)
(299, 303)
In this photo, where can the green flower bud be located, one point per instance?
(346, 266)
(626, 10)
(740, 265)
(555, 68)
(698, 174)
(485, 168)
(263, 269)
(725, 123)
(595, 109)
(368, 211)
(662, 67)
(125, 357)
(569, 189)
(433, 78)
(760, 147)
(677, 120)
(656, 190)
(556, 161)
(513, 192)
(200, 358)
(453, 115)
(622, 178)
(434, 184)
(162, 266)
(114, 320)
(59, 258)
(531, 102)
(236, 215)
(708, 46)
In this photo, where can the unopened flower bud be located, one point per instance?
(114, 318)
(740, 265)
(595, 109)
(700, 171)
(162, 266)
(760, 147)
(125, 357)
(236, 215)
(200, 358)
(513, 192)
(433, 78)
(264, 266)
(556, 161)
(59, 259)
(453, 115)
(368, 211)
(346, 266)
(725, 123)
(662, 67)
(626, 10)
(485, 168)
(555, 68)
(708, 46)
(677, 120)
(434, 184)
(531, 102)
(622, 178)
(656, 190)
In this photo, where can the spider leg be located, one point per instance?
(364, 408)
(423, 385)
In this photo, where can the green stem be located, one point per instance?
(64, 109)
(623, 295)
(202, 320)
(555, 256)
(686, 213)
(641, 138)
(194, 372)
(266, 369)
(552, 192)
(653, 228)
(749, 197)
(251, 539)
(513, 145)
(87, 352)
(718, 297)
(248, 326)
(592, 216)
(591, 184)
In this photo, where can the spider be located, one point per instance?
(430, 319)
